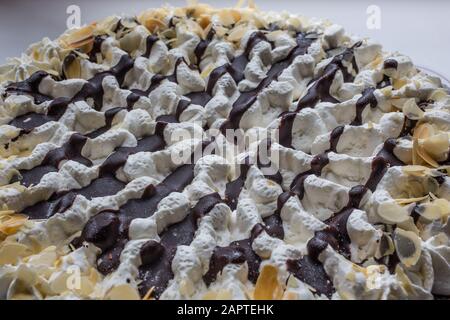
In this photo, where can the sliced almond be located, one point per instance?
(437, 146)
(12, 223)
(423, 154)
(399, 83)
(148, 295)
(398, 102)
(416, 170)
(11, 252)
(229, 16)
(267, 286)
(408, 246)
(123, 292)
(79, 38)
(412, 110)
(404, 201)
(153, 24)
(392, 212)
(439, 95)
(237, 33)
(385, 247)
(429, 211)
(423, 131)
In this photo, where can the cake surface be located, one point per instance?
(203, 153)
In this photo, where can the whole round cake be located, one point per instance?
(202, 153)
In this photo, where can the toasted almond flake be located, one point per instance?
(437, 145)
(398, 102)
(73, 70)
(123, 292)
(439, 95)
(229, 16)
(10, 224)
(411, 200)
(392, 212)
(430, 211)
(205, 22)
(11, 252)
(289, 295)
(426, 157)
(376, 62)
(415, 157)
(78, 38)
(207, 71)
(237, 33)
(416, 170)
(153, 24)
(408, 246)
(412, 110)
(403, 279)
(385, 247)
(148, 295)
(423, 131)
(267, 286)
(399, 83)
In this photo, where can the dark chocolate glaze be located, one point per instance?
(105, 184)
(71, 150)
(30, 87)
(387, 153)
(237, 252)
(200, 49)
(233, 188)
(247, 98)
(145, 207)
(156, 268)
(367, 98)
(109, 117)
(317, 164)
(311, 272)
(149, 42)
(92, 89)
(334, 138)
(320, 88)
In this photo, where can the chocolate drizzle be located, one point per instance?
(367, 98)
(71, 150)
(320, 89)
(149, 42)
(105, 184)
(92, 89)
(247, 98)
(237, 252)
(200, 49)
(30, 87)
(156, 269)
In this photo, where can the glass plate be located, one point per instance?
(445, 81)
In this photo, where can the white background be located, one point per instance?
(420, 29)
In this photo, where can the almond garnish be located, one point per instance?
(148, 295)
(408, 246)
(11, 222)
(267, 286)
(392, 212)
(429, 145)
(122, 292)
(412, 110)
(80, 38)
